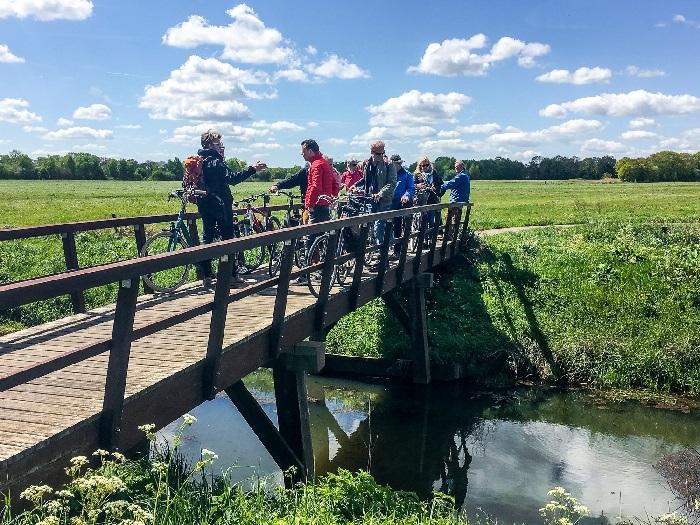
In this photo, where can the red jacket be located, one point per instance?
(322, 181)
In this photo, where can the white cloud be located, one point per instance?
(190, 135)
(397, 133)
(681, 19)
(524, 155)
(335, 142)
(8, 57)
(601, 146)
(129, 126)
(336, 67)
(487, 129)
(279, 125)
(635, 71)
(246, 39)
(292, 75)
(636, 103)
(62, 122)
(689, 141)
(311, 50)
(203, 89)
(93, 112)
(641, 122)
(583, 75)
(456, 56)
(261, 146)
(638, 134)
(79, 132)
(448, 145)
(46, 10)
(34, 129)
(15, 110)
(311, 124)
(417, 108)
(566, 131)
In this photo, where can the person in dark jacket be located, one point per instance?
(428, 184)
(216, 206)
(403, 196)
(300, 179)
(379, 181)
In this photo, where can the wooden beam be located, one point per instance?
(359, 265)
(140, 238)
(281, 295)
(70, 254)
(420, 243)
(383, 257)
(266, 431)
(455, 231)
(399, 313)
(327, 276)
(419, 322)
(465, 228)
(446, 235)
(117, 367)
(406, 238)
(217, 326)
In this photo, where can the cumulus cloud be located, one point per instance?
(279, 125)
(566, 131)
(448, 145)
(246, 39)
(634, 71)
(34, 129)
(79, 132)
(292, 75)
(689, 141)
(261, 147)
(641, 122)
(335, 141)
(457, 56)
(336, 67)
(203, 89)
(8, 57)
(15, 110)
(190, 134)
(583, 75)
(417, 108)
(601, 146)
(129, 126)
(638, 134)
(93, 112)
(487, 129)
(684, 20)
(635, 103)
(398, 133)
(46, 10)
(63, 122)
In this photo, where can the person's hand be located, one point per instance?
(377, 197)
(260, 166)
(404, 199)
(273, 188)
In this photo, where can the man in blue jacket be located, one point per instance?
(403, 196)
(459, 186)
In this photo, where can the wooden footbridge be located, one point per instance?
(89, 380)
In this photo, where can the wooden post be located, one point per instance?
(406, 237)
(383, 258)
(258, 421)
(140, 236)
(446, 234)
(419, 322)
(455, 231)
(194, 237)
(115, 384)
(433, 241)
(70, 254)
(465, 228)
(282, 293)
(217, 326)
(420, 242)
(359, 265)
(327, 274)
(399, 313)
(293, 415)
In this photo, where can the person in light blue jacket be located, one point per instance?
(459, 186)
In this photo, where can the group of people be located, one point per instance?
(385, 180)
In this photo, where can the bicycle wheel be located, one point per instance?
(371, 257)
(251, 259)
(345, 269)
(317, 254)
(415, 228)
(172, 278)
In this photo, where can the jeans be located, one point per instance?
(217, 221)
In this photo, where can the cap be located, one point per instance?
(396, 158)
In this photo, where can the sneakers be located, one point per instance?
(303, 280)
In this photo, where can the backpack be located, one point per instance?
(192, 176)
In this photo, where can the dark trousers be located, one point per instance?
(398, 225)
(217, 223)
(319, 214)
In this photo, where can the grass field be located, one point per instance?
(496, 203)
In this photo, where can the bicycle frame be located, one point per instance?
(179, 224)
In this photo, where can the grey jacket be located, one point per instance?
(380, 178)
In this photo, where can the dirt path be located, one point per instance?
(512, 229)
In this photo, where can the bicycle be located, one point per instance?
(252, 224)
(292, 218)
(176, 237)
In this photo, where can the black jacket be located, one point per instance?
(217, 176)
(433, 194)
(300, 178)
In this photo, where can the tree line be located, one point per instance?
(662, 166)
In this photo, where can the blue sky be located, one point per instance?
(469, 79)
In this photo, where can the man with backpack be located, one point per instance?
(214, 199)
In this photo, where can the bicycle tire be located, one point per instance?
(251, 259)
(415, 227)
(344, 269)
(317, 254)
(169, 280)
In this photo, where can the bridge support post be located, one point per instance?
(289, 374)
(419, 328)
(70, 254)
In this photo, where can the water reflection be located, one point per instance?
(494, 452)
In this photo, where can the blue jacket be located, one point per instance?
(459, 187)
(404, 186)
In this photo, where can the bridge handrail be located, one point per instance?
(27, 232)
(46, 287)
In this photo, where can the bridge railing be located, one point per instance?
(68, 230)
(128, 274)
